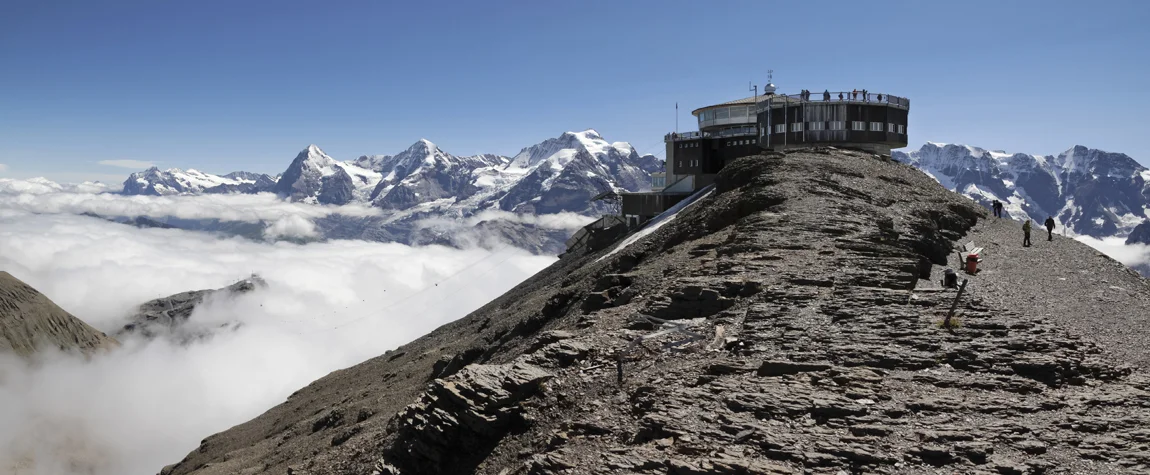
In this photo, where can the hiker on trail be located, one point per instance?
(1049, 228)
(1026, 234)
(997, 207)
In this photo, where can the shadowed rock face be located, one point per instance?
(30, 322)
(1140, 234)
(808, 339)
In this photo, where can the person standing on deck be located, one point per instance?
(1049, 228)
(1026, 234)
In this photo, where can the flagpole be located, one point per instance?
(676, 118)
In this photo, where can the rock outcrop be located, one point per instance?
(30, 322)
(791, 322)
(168, 316)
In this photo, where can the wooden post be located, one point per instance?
(619, 367)
(954, 305)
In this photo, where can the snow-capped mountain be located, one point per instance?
(425, 183)
(560, 174)
(1087, 191)
(424, 173)
(316, 177)
(175, 181)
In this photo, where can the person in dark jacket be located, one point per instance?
(997, 207)
(1049, 228)
(1026, 234)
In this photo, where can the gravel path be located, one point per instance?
(1091, 295)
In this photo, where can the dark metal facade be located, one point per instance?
(704, 156)
(649, 205)
(814, 123)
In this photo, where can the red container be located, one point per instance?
(972, 263)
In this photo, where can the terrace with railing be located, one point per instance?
(851, 97)
(732, 132)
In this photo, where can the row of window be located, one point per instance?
(839, 125)
(730, 112)
(750, 141)
(730, 143)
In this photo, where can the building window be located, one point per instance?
(723, 113)
(837, 125)
(796, 126)
(876, 126)
(890, 127)
(817, 125)
(858, 125)
(901, 129)
(780, 128)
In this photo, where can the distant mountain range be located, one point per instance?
(427, 195)
(559, 175)
(1088, 191)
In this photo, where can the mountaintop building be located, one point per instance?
(863, 120)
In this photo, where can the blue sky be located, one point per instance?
(224, 85)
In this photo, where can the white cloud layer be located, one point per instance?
(1133, 255)
(133, 164)
(39, 186)
(328, 305)
(45, 197)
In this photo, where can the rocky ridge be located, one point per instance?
(805, 338)
(168, 317)
(30, 322)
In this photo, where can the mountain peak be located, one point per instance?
(423, 145)
(314, 154)
(588, 134)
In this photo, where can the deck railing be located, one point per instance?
(737, 132)
(847, 96)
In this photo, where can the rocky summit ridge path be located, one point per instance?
(808, 341)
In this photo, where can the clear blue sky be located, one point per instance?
(227, 85)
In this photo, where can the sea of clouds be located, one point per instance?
(328, 305)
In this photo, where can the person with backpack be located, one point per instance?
(1049, 228)
(1026, 234)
